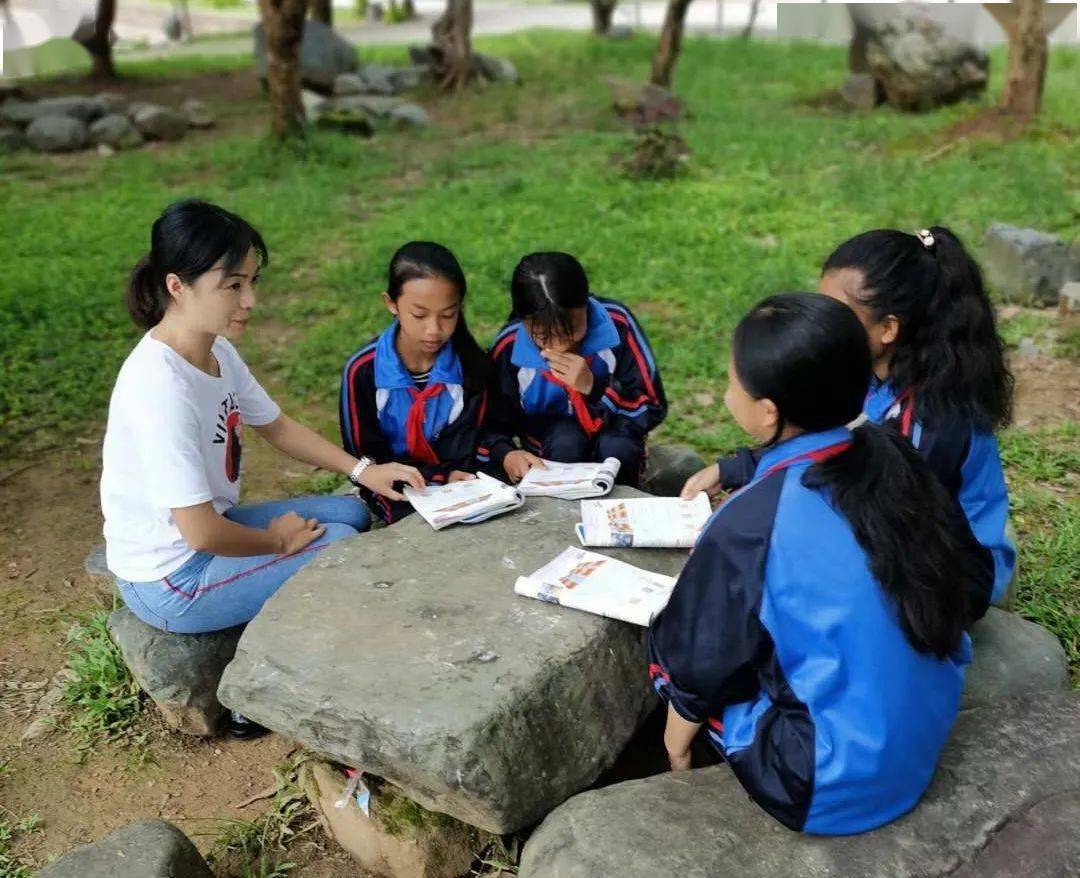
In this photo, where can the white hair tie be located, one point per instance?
(926, 237)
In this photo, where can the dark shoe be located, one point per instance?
(239, 726)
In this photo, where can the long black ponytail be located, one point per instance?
(948, 349)
(426, 259)
(188, 239)
(809, 355)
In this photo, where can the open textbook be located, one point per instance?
(570, 481)
(467, 502)
(600, 585)
(644, 522)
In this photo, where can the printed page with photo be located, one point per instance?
(643, 522)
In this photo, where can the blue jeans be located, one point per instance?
(212, 592)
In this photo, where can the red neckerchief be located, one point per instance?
(419, 448)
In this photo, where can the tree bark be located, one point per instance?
(99, 45)
(1025, 75)
(323, 10)
(667, 50)
(752, 19)
(602, 12)
(860, 36)
(453, 41)
(283, 24)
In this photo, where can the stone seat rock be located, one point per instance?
(1011, 769)
(1013, 656)
(405, 652)
(180, 672)
(147, 849)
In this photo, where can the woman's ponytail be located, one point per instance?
(146, 296)
(918, 544)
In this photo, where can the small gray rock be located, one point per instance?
(620, 32)
(57, 134)
(159, 123)
(18, 112)
(313, 104)
(496, 69)
(323, 55)
(345, 119)
(668, 467)
(180, 672)
(860, 90)
(1001, 762)
(115, 131)
(379, 106)
(409, 116)
(349, 84)
(147, 849)
(1026, 347)
(1013, 656)
(1024, 265)
(378, 79)
(1073, 271)
(113, 101)
(82, 108)
(97, 565)
(197, 113)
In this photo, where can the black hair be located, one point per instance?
(810, 355)
(947, 350)
(188, 240)
(544, 287)
(426, 259)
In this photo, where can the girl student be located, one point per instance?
(187, 558)
(415, 394)
(824, 658)
(939, 372)
(574, 378)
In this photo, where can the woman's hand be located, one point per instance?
(518, 462)
(380, 478)
(570, 369)
(678, 736)
(294, 533)
(460, 476)
(707, 480)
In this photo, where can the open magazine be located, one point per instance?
(600, 585)
(467, 502)
(644, 522)
(570, 481)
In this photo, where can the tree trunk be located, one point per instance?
(452, 35)
(283, 23)
(667, 50)
(1026, 72)
(602, 12)
(323, 10)
(860, 36)
(752, 19)
(99, 45)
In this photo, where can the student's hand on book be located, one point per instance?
(707, 480)
(381, 477)
(570, 369)
(460, 476)
(518, 463)
(294, 533)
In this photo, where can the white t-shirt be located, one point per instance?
(174, 439)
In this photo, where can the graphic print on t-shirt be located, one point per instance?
(230, 430)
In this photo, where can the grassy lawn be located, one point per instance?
(774, 181)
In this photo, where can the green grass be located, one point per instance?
(253, 848)
(775, 179)
(12, 828)
(103, 697)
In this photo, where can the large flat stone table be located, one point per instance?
(405, 652)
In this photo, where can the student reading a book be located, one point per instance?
(940, 376)
(187, 558)
(574, 378)
(823, 656)
(415, 393)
